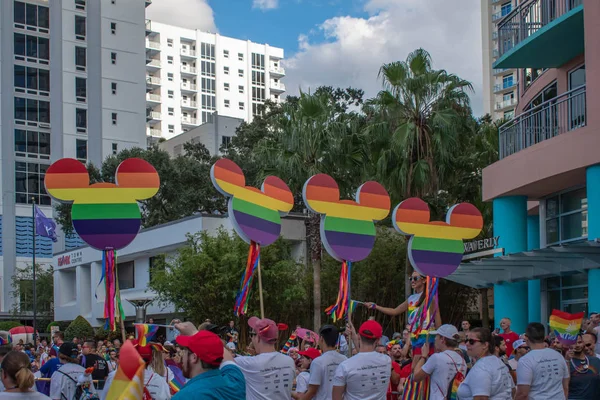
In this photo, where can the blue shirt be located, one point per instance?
(50, 367)
(226, 383)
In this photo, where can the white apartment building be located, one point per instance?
(192, 74)
(73, 85)
(500, 87)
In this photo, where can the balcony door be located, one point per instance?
(542, 124)
(577, 97)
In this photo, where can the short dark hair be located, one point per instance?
(59, 334)
(91, 344)
(450, 342)
(535, 332)
(485, 335)
(5, 349)
(330, 335)
(368, 341)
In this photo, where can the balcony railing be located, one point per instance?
(153, 115)
(154, 132)
(148, 25)
(188, 70)
(496, 16)
(504, 86)
(187, 52)
(499, 70)
(154, 80)
(189, 104)
(188, 86)
(277, 70)
(152, 44)
(495, 53)
(528, 18)
(188, 121)
(506, 103)
(554, 117)
(153, 97)
(153, 63)
(277, 86)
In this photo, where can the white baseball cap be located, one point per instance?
(518, 343)
(448, 331)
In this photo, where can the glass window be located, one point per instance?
(19, 9)
(80, 25)
(31, 14)
(506, 8)
(43, 17)
(43, 48)
(29, 182)
(81, 149)
(115, 148)
(577, 78)
(241, 56)
(126, 275)
(81, 118)
(44, 114)
(19, 44)
(507, 81)
(566, 217)
(80, 58)
(44, 79)
(80, 87)
(20, 76)
(32, 78)
(20, 108)
(20, 140)
(32, 110)
(31, 45)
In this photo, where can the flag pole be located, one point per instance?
(34, 285)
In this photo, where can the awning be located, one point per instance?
(536, 264)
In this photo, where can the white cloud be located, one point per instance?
(355, 48)
(192, 14)
(265, 4)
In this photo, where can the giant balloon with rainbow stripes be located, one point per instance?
(436, 247)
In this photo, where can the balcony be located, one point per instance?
(554, 117)
(188, 87)
(187, 52)
(496, 16)
(496, 1)
(495, 53)
(188, 121)
(541, 34)
(188, 104)
(277, 71)
(153, 45)
(153, 116)
(505, 87)
(505, 104)
(499, 71)
(186, 69)
(495, 35)
(153, 98)
(277, 87)
(152, 64)
(154, 132)
(152, 81)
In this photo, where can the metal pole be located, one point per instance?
(34, 285)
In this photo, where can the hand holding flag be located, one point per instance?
(145, 333)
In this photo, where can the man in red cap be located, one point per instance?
(208, 365)
(308, 357)
(270, 374)
(366, 375)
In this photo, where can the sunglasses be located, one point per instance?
(252, 334)
(415, 278)
(589, 344)
(472, 341)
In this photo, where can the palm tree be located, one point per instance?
(311, 135)
(414, 125)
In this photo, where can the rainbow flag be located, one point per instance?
(178, 380)
(566, 326)
(128, 383)
(145, 333)
(289, 343)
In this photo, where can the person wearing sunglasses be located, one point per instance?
(489, 378)
(585, 381)
(589, 344)
(520, 348)
(411, 305)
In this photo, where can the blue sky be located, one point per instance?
(343, 43)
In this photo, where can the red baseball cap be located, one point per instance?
(205, 344)
(311, 353)
(265, 328)
(371, 330)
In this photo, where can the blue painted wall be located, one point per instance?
(593, 198)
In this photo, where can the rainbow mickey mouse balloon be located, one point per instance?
(105, 215)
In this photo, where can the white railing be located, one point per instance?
(189, 104)
(152, 44)
(277, 70)
(506, 103)
(188, 86)
(188, 120)
(154, 132)
(505, 86)
(187, 52)
(155, 80)
(153, 97)
(188, 69)
(278, 86)
(154, 63)
(153, 115)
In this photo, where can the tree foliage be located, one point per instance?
(22, 289)
(79, 328)
(8, 325)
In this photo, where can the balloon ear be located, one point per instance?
(373, 196)
(64, 178)
(320, 193)
(409, 215)
(139, 175)
(466, 216)
(276, 188)
(226, 176)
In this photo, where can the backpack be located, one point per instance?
(452, 393)
(80, 393)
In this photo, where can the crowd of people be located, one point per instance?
(364, 364)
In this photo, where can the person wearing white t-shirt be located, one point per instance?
(270, 374)
(63, 383)
(366, 375)
(542, 373)
(306, 361)
(322, 369)
(18, 378)
(489, 378)
(520, 348)
(442, 366)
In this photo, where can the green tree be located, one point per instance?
(79, 328)
(202, 280)
(22, 285)
(314, 134)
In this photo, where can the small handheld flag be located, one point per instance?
(128, 383)
(566, 326)
(145, 333)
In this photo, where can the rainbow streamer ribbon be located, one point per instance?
(416, 390)
(113, 308)
(289, 343)
(178, 380)
(425, 315)
(343, 304)
(145, 333)
(566, 326)
(128, 383)
(241, 301)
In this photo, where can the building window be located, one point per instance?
(207, 51)
(241, 89)
(80, 58)
(81, 119)
(209, 102)
(549, 92)
(114, 118)
(566, 217)
(79, 27)
(258, 61)
(226, 86)
(32, 15)
(81, 89)
(171, 128)
(507, 81)
(170, 77)
(170, 94)
(225, 141)
(226, 70)
(258, 94)
(241, 105)
(506, 8)
(207, 68)
(241, 56)
(171, 111)
(169, 42)
(115, 148)
(113, 28)
(32, 110)
(113, 87)
(568, 293)
(258, 78)
(169, 59)
(208, 85)
(32, 144)
(81, 149)
(226, 103)
(29, 182)
(226, 53)
(113, 58)
(31, 46)
(531, 74)
(126, 275)
(80, 5)
(32, 79)
(241, 73)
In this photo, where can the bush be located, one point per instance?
(8, 325)
(103, 334)
(50, 325)
(62, 325)
(79, 328)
